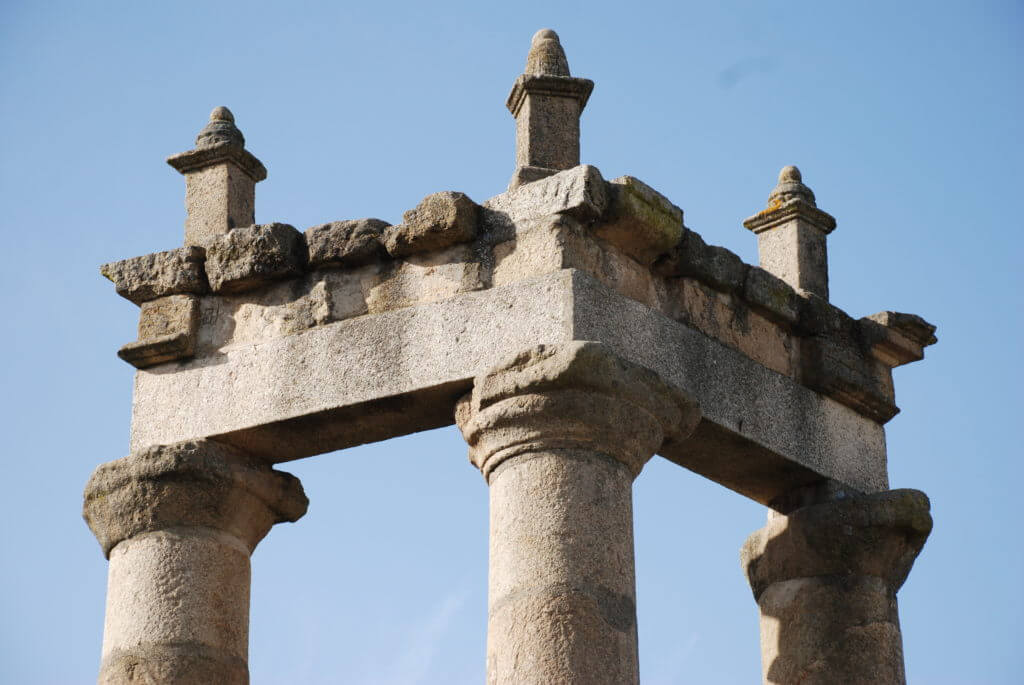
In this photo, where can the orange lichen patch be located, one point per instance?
(774, 204)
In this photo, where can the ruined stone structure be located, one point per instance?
(572, 327)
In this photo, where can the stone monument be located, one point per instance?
(572, 327)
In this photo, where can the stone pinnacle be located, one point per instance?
(791, 186)
(546, 55)
(220, 130)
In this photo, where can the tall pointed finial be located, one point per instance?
(547, 102)
(546, 55)
(791, 234)
(220, 179)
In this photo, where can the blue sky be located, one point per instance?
(904, 118)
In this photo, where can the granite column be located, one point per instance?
(825, 578)
(178, 523)
(559, 433)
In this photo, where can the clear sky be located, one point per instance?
(905, 119)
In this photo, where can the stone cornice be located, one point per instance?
(203, 157)
(546, 84)
(797, 208)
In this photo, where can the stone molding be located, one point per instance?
(572, 396)
(782, 213)
(878, 535)
(578, 89)
(222, 153)
(191, 484)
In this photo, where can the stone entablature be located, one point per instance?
(267, 281)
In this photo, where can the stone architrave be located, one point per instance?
(178, 523)
(559, 433)
(825, 578)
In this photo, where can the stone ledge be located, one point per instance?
(145, 353)
(578, 89)
(168, 331)
(155, 275)
(222, 153)
(640, 221)
(783, 212)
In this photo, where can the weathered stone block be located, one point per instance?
(911, 326)
(248, 257)
(159, 274)
(346, 243)
(168, 330)
(438, 221)
(840, 368)
(580, 192)
(731, 322)
(716, 266)
(423, 278)
(641, 221)
(818, 316)
(772, 296)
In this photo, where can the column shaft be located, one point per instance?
(562, 605)
(177, 609)
(560, 432)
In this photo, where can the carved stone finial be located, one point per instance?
(221, 130)
(791, 187)
(546, 55)
(546, 102)
(220, 175)
(791, 234)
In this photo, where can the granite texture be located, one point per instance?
(640, 221)
(220, 180)
(379, 375)
(791, 235)
(178, 523)
(559, 432)
(547, 102)
(825, 577)
(438, 221)
(345, 243)
(168, 330)
(246, 258)
(150, 276)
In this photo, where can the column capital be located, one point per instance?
(878, 535)
(189, 484)
(572, 396)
